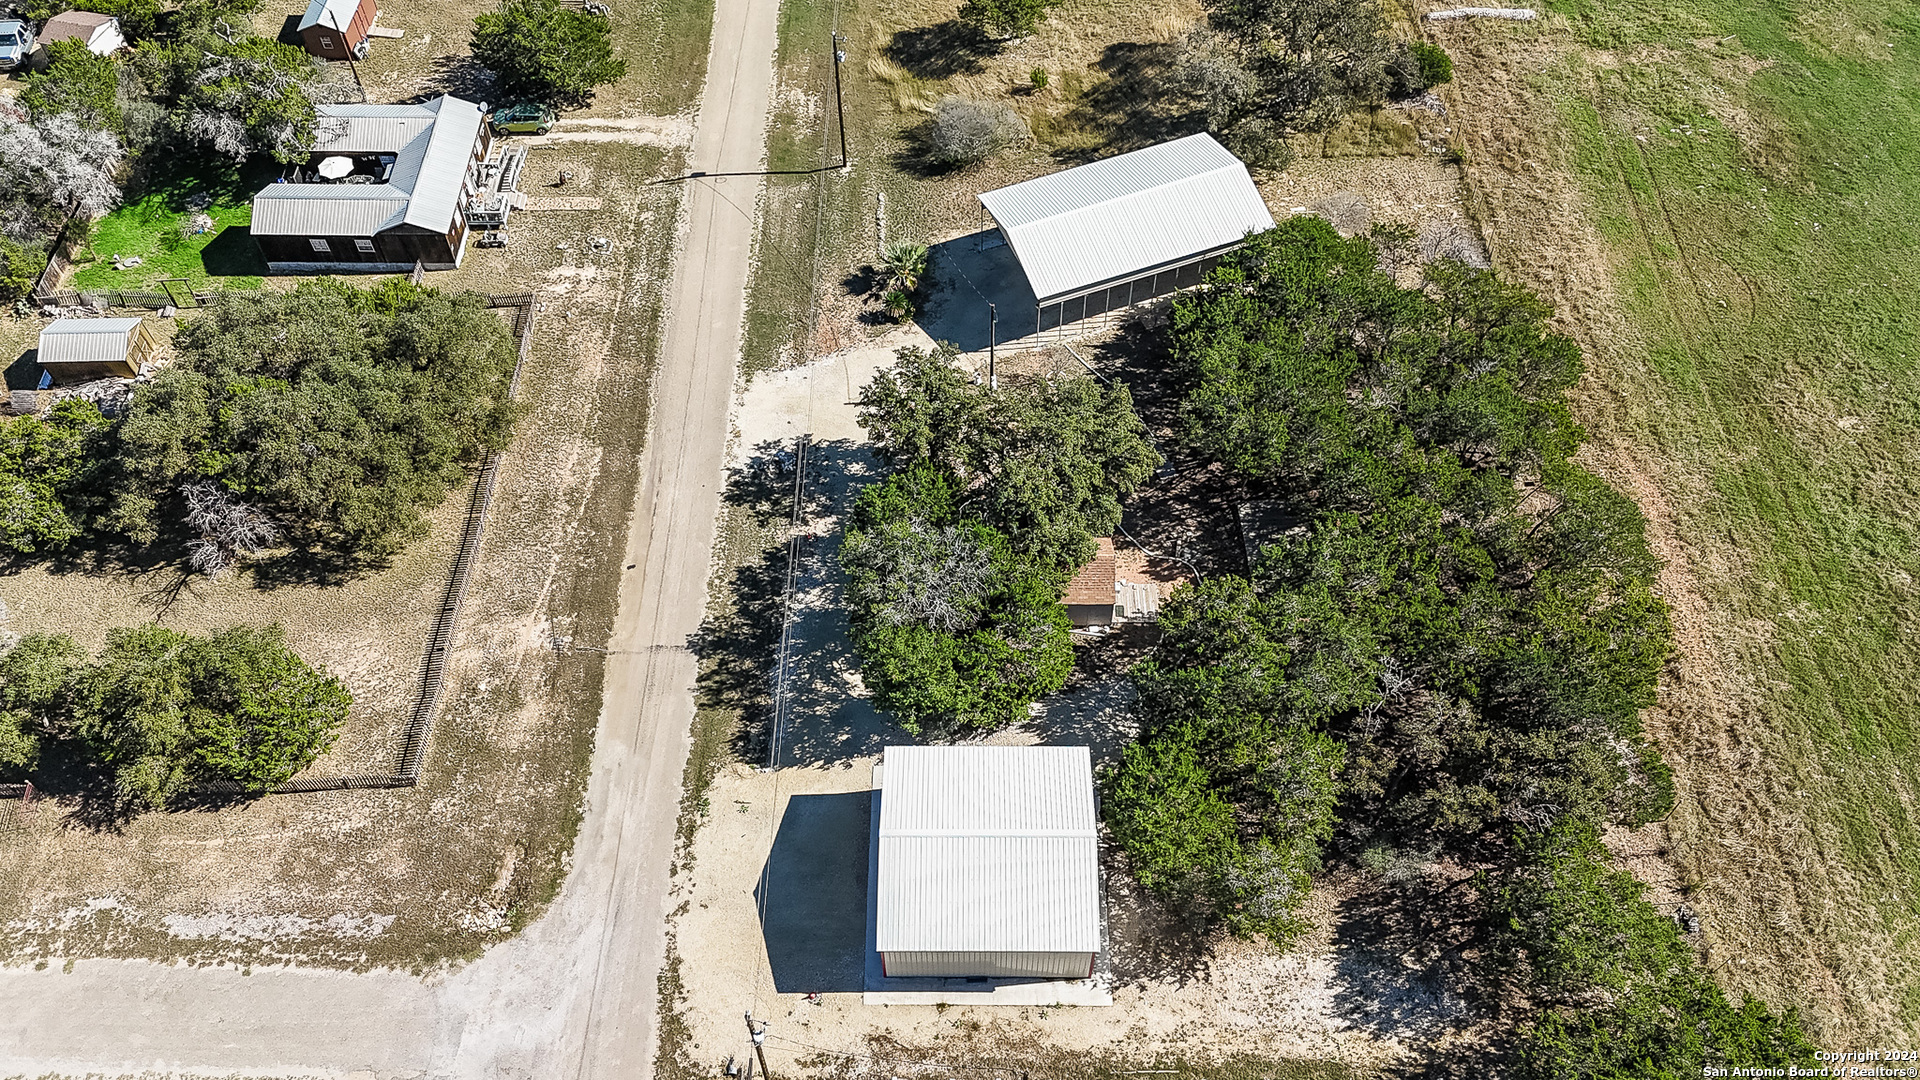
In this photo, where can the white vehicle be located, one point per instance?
(16, 44)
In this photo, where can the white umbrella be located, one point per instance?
(334, 168)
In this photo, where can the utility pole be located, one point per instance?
(757, 1031)
(839, 105)
(993, 332)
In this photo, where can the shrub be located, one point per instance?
(1038, 78)
(1436, 67)
(20, 266)
(966, 132)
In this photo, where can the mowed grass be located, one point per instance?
(152, 226)
(1754, 171)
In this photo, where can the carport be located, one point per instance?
(1102, 237)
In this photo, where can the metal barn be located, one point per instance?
(989, 864)
(1103, 237)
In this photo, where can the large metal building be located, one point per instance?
(989, 864)
(1105, 236)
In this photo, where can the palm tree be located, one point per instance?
(904, 263)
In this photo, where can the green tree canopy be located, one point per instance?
(1623, 994)
(46, 467)
(166, 710)
(1225, 799)
(955, 629)
(1045, 461)
(77, 83)
(1005, 19)
(339, 412)
(539, 50)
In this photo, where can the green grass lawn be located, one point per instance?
(1754, 170)
(150, 226)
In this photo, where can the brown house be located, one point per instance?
(1090, 594)
(337, 29)
(385, 187)
(76, 350)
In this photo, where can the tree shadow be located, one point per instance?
(825, 719)
(1139, 102)
(314, 566)
(460, 75)
(1150, 940)
(941, 51)
(1410, 964)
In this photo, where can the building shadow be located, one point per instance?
(969, 273)
(232, 253)
(24, 372)
(813, 895)
(290, 32)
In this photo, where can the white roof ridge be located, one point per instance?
(990, 834)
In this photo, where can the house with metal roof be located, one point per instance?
(337, 29)
(76, 350)
(99, 33)
(988, 862)
(386, 186)
(1104, 236)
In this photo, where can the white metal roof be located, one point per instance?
(85, 341)
(432, 145)
(336, 14)
(1112, 219)
(987, 849)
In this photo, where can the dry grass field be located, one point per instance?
(1718, 198)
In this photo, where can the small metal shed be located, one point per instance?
(75, 350)
(1105, 236)
(988, 863)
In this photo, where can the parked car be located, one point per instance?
(525, 119)
(16, 44)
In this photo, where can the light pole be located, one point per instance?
(993, 327)
(839, 106)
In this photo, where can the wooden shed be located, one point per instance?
(338, 29)
(76, 350)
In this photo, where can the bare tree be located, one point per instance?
(1451, 240)
(909, 575)
(54, 163)
(229, 529)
